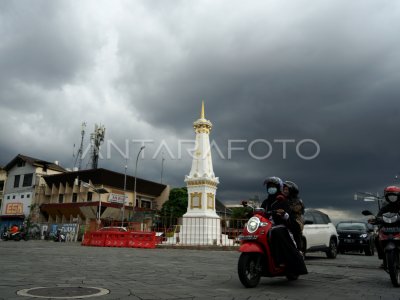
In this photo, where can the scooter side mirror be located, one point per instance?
(367, 213)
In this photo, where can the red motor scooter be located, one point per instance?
(256, 259)
(389, 239)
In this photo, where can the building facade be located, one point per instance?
(97, 197)
(22, 188)
(3, 178)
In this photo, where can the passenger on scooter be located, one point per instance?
(291, 191)
(283, 248)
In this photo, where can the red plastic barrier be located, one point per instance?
(98, 239)
(142, 240)
(86, 239)
(116, 239)
(132, 239)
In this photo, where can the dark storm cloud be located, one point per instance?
(42, 44)
(330, 76)
(325, 71)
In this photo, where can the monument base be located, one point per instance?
(200, 230)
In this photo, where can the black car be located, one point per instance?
(356, 236)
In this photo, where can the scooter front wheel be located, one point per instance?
(249, 269)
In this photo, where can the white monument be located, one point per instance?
(201, 224)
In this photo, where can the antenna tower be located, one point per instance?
(96, 139)
(78, 159)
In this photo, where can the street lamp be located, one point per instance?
(137, 158)
(162, 166)
(99, 191)
(369, 197)
(123, 203)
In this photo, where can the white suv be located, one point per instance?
(319, 234)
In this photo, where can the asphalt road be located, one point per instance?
(129, 273)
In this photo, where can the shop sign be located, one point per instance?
(116, 198)
(14, 209)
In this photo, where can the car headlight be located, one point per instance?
(364, 235)
(253, 224)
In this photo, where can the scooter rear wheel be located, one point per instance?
(393, 263)
(249, 269)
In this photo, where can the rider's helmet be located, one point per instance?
(274, 181)
(392, 193)
(293, 188)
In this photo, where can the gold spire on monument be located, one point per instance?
(202, 125)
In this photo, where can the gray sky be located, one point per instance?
(326, 71)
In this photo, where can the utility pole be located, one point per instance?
(162, 166)
(123, 203)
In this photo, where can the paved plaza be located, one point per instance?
(128, 273)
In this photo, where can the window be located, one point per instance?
(326, 219)
(20, 164)
(89, 196)
(16, 180)
(22, 196)
(74, 197)
(319, 219)
(28, 195)
(13, 197)
(145, 204)
(8, 197)
(1, 185)
(308, 217)
(27, 180)
(60, 198)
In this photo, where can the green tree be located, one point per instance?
(176, 206)
(239, 212)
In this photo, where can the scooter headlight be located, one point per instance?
(253, 224)
(390, 217)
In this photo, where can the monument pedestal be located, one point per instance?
(200, 230)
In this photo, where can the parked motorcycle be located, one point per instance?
(59, 236)
(389, 238)
(256, 259)
(15, 236)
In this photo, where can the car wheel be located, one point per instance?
(332, 251)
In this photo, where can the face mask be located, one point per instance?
(392, 198)
(272, 190)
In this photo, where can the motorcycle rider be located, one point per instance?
(283, 248)
(14, 229)
(296, 205)
(392, 204)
